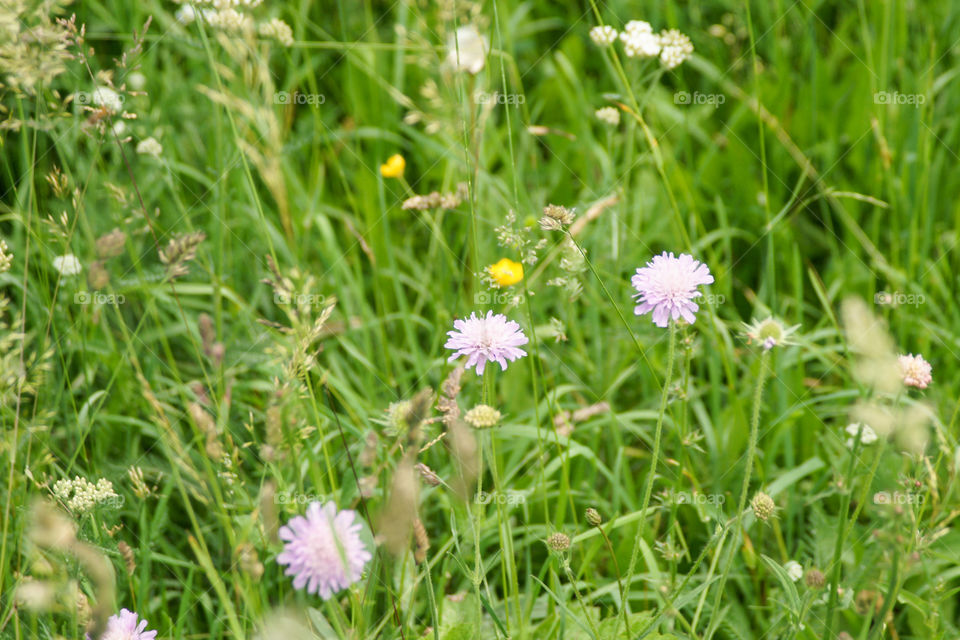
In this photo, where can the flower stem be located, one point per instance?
(745, 488)
(648, 489)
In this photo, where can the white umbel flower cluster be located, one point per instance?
(229, 20)
(609, 115)
(278, 30)
(639, 40)
(675, 48)
(67, 265)
(80, 495)
(603, 35)
(150, 147)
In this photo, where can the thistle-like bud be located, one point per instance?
(815, 579)
(763, 506)
(558, 542)
(593, 517)
(482, 416)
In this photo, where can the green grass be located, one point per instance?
(800, 190)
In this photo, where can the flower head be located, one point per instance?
(867, 435)
(814, 578)
(668, 286)
(558, 542)
(676, 47)
(603, 35)
(67, 265)
(323, 550)
(107, 97)
(482, 416)
(126, 625)
(609, 115)
(915, 371)
(393, 167)
(150, 147)
(763, 506)
(506, 272)
(794, 570)
(770, 333)
(486, 338)
(467, 50)
(639, 40)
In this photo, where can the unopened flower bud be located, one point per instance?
(763, 506)
(815, 579)
(593, 517)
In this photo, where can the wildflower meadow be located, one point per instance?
(479, 320)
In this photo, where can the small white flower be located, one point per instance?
(107, 97)
(639, 40)
(676, 48)
(278, 30)
(467, 50)
(149, 147)
(137, 80)
(867, 434)
(67, 265)
(794, 570)
(603, 35)
(610, 115)
(185, 14)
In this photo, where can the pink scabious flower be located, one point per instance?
(323, 549)
(668, 287)
(126, 625)
(915, 371)
(486, 339)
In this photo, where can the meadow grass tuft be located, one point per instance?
(472, 320)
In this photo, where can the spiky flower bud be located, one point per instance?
(482, 416)
(558, 542)
(763, 506)
(593, 517)
(815, 579)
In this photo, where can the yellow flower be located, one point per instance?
(393, 167)
(506, 272)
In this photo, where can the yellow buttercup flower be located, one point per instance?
(506, 272)
(393, 167)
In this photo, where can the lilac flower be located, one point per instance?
(126, 626)
(324, 551)
(485, 339)
(915, 371)
(668, 286)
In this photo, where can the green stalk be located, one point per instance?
(745, 488)
(648, 489)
